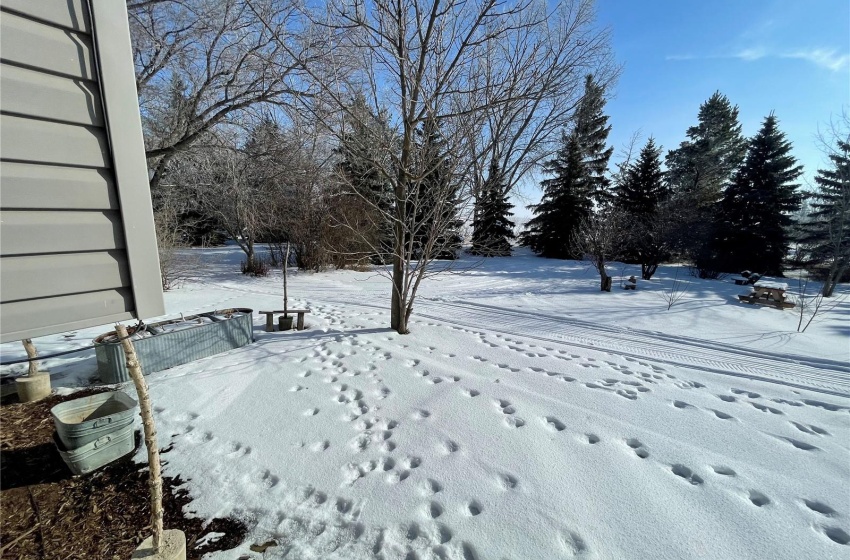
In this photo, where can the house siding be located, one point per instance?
(77, 243)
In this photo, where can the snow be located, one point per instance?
(771, 284)
(527, 416)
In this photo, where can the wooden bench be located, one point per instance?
(299, 325)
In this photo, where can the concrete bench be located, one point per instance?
(299, 325)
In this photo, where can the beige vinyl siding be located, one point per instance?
(51, 187)
(64, 257)
(22, 318)
(35, 276)
(52, 97)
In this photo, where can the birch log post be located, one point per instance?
(285, 270)
(155, 480)
(29, 347)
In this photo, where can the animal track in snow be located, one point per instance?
(764, 408)
(411, 462)
(429, 487)
(474, 508)
(514, 422)
(819, 507)
(638, 447)
(573, 544)
(433, 510)
(449, 446)
(727, 398)
(749, 394)
(758, 499)
(682, 404)
(554, 423)
(311, 412)
(687, 474)
(592, 439)
(508, 482)
(800, 444)
(724, 471)
(397, 476)
(722, 415)
(810, 429)
(471, 393)
(836, 534)
(420, 414)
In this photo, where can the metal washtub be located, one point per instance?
(172, 343)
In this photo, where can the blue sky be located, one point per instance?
(787, 56)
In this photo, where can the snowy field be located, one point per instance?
(527, 416)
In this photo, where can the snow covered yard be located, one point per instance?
(527, 416)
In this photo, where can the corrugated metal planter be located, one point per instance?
(99, 452)
(81, 421)
(172, 343)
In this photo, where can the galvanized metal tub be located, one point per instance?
(172, 343)
(81, 421)
(99, 452)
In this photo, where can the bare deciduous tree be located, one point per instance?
(600, 239)
(421, 61)
(200, 62)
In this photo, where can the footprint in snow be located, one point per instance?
(724, 471)
(554, 423)
(819, 507)
(687, 474)
(637, 447)
(758, 499)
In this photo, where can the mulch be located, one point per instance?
(48, 513)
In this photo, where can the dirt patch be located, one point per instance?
(47, 513)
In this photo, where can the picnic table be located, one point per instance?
(768, 292)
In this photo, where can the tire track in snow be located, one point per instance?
(820, 375)
(824, 376)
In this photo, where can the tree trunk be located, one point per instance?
(31, 353)
(606, 280)
(647, 270)
(155, 478)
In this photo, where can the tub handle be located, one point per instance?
(102, 422)
(102, 441)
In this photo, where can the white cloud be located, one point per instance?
(830, 59)
(754, 53)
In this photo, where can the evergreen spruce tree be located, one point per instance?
(565, 203)
(698, 171)
(492, 229)
(827, 231)
(432, 205)
(365, 163)
(591, 130)
(757, 206)
(639, 197)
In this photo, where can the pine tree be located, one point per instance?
(639, 197)
(565, 203)
(492, 229)
(591, 130)
(828, 230)
(756, 208)
(363, 169)
(700, 168)
(432, 204)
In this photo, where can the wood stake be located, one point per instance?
(31, 353)
(155, 479)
